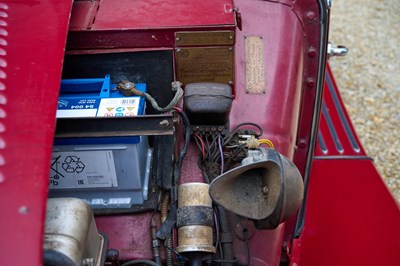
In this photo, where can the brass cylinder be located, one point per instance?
(194, 194)
(193, 238)
(196, 237)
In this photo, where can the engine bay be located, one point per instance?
(175, 138)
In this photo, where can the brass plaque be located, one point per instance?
(254, 63)
(205, 65)
(202, 38)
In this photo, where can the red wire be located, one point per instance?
(177, 109)
(203, 152)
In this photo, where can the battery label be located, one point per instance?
(119, 107)
(82, 169)
(77, 107)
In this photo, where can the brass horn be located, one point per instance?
(267, 188)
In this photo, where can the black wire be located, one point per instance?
(249, 124)
(183, 152)
(219, 244)
(188, 133)
(212, 149)
(206, 140)
(248, 252)
(177, 254)
(238, 150)
(216, 153)
(136, 262)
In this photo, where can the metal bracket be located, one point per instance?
(95, 127)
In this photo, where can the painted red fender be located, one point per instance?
(350, 216)
(31, 36)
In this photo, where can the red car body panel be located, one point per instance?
(33, 35)
(349, 218)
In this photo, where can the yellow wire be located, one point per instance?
(267, 142)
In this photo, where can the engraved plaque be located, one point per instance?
(254, 61)
(205, 65)
(201, 38)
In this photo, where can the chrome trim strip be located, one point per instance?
(322, 143)
(343, 157)
(332, 129)
(342, 115)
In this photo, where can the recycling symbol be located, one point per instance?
(73, 164)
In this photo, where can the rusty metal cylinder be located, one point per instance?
(195, 219)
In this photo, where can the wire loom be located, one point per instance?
(219, 153)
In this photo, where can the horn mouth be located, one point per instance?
(251, 190)
(268, 190)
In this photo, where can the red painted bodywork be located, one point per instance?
(345, 142)
(107, 24)
(350, 217)
(33, 34)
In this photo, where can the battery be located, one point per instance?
(96, 98)
(107, 173)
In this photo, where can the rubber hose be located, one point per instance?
(226, 246)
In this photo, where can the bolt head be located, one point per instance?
(310, 83)
(312, 52)
(310, 15)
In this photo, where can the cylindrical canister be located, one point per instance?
(195, 218)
